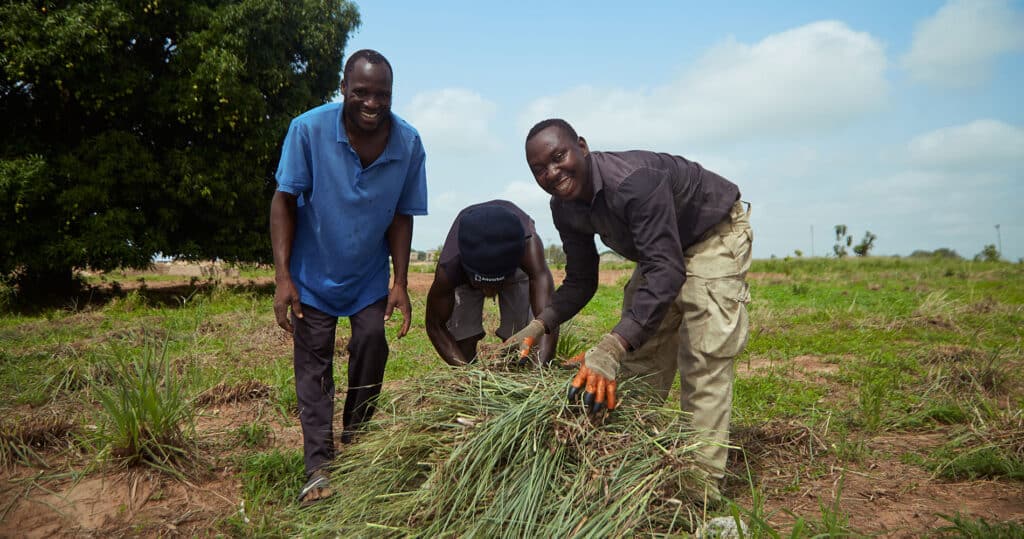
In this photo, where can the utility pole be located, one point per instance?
(812, 241)
(999, 240)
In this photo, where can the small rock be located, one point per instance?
(721, 528)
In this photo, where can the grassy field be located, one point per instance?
(875, 396)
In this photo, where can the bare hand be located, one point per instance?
(399, 297)
(286, 296)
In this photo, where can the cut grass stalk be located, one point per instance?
(528, 466)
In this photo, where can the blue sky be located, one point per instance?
(901, 118)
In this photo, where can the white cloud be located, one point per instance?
(453, 119)
(984, 144)
(802, 80)
(536, 203)
(957, 46)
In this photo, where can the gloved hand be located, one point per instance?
(597, 375)
(517, 347)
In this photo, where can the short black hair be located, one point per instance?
(371, 56)
(556, 122)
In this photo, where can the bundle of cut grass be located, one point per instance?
(478, 453)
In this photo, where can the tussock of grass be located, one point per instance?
(777, 437)
(992, 449)
(268, 478)
(224, 393)
(253, 434)
(21, 439)
(932, 411)
(570, 342)
(483, 454)
(960, 371)
(937, 310)
(148, 415)
(952, 353)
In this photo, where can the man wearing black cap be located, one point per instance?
(491, 250)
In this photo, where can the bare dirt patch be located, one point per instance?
(880, 495)
(135, 503)
(805, 367)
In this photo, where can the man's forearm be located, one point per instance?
(548, 346)
(445, 344)
(282, 232)
(568, 300)
(581, 279)
(400, 242)
(542, 287)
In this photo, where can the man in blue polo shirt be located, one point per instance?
(350, 180)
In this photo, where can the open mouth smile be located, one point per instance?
(563, 185)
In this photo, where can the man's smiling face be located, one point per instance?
(367, 93)
(559, 163)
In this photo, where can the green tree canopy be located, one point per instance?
(140, 127)
(864, 247)
(989, 254)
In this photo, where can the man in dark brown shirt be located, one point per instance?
(685, 306)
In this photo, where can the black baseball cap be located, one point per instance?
(491, 243)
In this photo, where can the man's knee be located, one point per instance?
(368, 337)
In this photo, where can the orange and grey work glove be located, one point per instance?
(596, 376)
(521, 343)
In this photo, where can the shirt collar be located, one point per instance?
(596, 182)
(392, 151)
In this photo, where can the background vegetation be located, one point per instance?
(862, 375)
(136, 128)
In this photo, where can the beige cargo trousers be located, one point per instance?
(705, 328)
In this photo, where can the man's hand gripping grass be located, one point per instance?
(596, 377)
(518, 347)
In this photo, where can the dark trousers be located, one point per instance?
(314, 376)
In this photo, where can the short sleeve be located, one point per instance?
(414, 193)
(294, 170)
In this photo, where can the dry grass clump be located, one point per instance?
(773, 445)
(952, 353)
(985, 306)
(21, 438)
(938, 310)
(960, 369)
(789, 439)
(478, 453)
(993, 448)
(224, 393)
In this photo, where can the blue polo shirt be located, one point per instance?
(339, 259)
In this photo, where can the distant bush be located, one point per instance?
(988, 254)
(941, 252)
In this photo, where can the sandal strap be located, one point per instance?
(317, 481)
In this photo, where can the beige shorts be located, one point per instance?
(513, 305)
(705, 328)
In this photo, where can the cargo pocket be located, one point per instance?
(726, 330)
